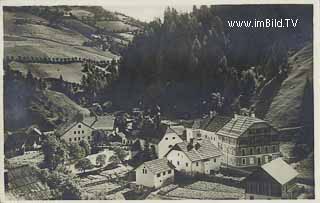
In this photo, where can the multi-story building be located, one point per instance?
(248, 142)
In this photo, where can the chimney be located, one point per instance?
(253, 115)
(235, 116)
(190, 144)
(197, 146)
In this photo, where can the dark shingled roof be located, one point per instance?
(206, 150)
(238, 125)
(158, 165)
(211, 124)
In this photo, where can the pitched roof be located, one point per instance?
(211, 124)
(103, 123)
(158, 165)
(238, 125)
(280, 170)
(206, 150)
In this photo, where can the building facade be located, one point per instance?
(274, 180)
(248, 142)
(155, 173)
(195, 157)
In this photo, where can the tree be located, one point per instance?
(86, 146)
(76, 151)
(114, 159)
(101, 159)
(120, 153)
(84, 164)
(54, 152)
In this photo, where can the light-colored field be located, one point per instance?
(205, 191)
(115, 26)
(79, 13)
(70, 72)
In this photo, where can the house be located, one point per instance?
(161, 140)
(248, 142)
(273, 180)
(201, 157)
(207, 128)
(83, 130)
(155, 173)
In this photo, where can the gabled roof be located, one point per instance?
(280, 171)
(205, 151)
(211, 124)
(158, 165)
(238, 125)
(103, 123)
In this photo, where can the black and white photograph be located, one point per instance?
(159, 101)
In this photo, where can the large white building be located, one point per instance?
(82, 130)
(155, 173)
(194, 157)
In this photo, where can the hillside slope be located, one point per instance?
(289, 105)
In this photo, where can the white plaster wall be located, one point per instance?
(70, 133)
(144, 179)
(169, 139)
(176, 156)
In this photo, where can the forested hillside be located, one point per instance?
(180, 61)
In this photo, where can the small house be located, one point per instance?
(201, 157)
(273, 180)
(155, 173)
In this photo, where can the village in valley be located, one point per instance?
(66, 137)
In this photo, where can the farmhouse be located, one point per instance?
(274, 180)
(161, 140)
(155, 173)
(248, 142)
(191, 157)
(82, 130)
(207, 128)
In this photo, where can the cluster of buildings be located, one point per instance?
(239, 143)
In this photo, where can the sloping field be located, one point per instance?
(70, 72)
(286, 107)
(36, 38)
(115, 26)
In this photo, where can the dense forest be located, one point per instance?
(180, 61)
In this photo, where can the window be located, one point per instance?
(75, 139)
(266, 159)
(169, 172)
(78, 138)
(79, 126)
(269, 158)
(214, 160)
(144, 171)
(206, 136)
(251, 160)
(178, 163)
(166, 138)
(274, 149)
(266, 149)
(70, 139)
(243, 161)
(258, 150)
(170, 146)
(251, 151)
(164, 173)
(88, 137)
(158, 175)
(82, 131)
(187, 164)
(74, 132)
(173, 138)
(243, 152)
(197, 163)
(79, 132)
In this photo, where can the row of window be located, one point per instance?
(75, 132)
(258, 150)
(164, 173)
(259, 160)
(78, 138)
(168, 138)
